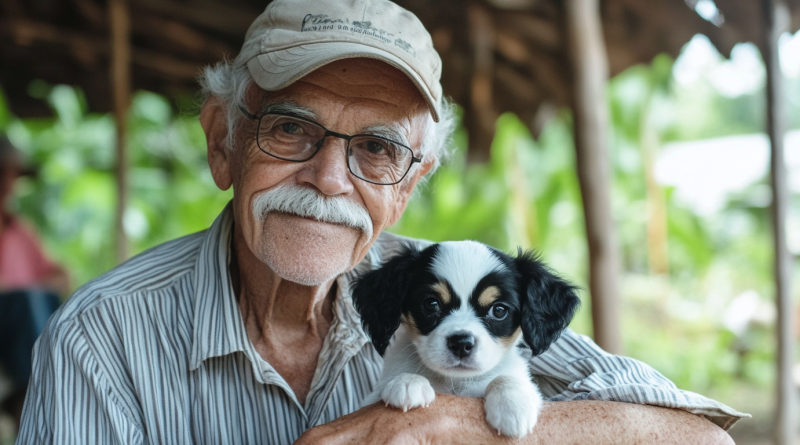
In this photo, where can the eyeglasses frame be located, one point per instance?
(321, 142)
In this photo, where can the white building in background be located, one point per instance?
(706, 173)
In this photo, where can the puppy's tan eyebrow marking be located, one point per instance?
(511, 339)
(443, 291)
(488, 296)
(411, 324)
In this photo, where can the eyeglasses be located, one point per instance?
(370, 157)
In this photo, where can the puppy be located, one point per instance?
(457, 312)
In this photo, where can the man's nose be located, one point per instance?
(327, 170)
(461, 344)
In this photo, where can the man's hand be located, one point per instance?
(457, 420)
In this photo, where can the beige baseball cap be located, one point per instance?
(292, 38)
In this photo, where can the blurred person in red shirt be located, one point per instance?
(30, 284)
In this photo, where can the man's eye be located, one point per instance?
(376, 147)
(291, 128)
(430, 305)
(498, 312)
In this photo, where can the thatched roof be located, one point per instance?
(499, 55)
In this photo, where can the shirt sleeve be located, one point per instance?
(575, 368)
(69, 400)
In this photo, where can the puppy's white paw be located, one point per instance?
(510, 409)
(407, 391)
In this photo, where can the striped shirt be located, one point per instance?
(155, 351)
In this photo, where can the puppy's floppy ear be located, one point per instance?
(548, 302)
(378, 296)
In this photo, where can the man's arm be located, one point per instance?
(461, 421)
(575, 368)
(69, 399)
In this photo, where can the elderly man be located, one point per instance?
(245, 333)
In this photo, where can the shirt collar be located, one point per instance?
(218, 326)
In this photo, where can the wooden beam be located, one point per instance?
(119, 18)
(224, 17)
(776, 22)
(537, 31)
(174, 36)
(589, 63)
(545, 70)
(482, 117)
(32, 33)
(520, 86)
(165, 65)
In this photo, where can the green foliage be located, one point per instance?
(505, 203)
(72, 199)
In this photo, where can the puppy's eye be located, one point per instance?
(498, 312)
(430, 305)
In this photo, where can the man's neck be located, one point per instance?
(286, 322)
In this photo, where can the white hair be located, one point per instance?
(229, 83)
(306, 202)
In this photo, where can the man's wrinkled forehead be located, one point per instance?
(378, 96)
(390, 130)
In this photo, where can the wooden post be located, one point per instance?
(482, 117)
(589, 62)
(119, 20)
(776, 22)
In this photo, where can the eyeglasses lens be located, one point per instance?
(378, 160)
(288, 138)
(371, 158)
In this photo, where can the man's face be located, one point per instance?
(349, 97)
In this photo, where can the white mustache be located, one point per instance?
(305, 202)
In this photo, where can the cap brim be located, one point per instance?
(276, 70)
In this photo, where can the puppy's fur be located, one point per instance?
(456, 312)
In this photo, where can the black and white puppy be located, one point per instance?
(455, 313)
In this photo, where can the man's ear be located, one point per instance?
(378, 296)
(406, 190)
(548, 302)
(214, 123)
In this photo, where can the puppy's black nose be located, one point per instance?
(461, 344)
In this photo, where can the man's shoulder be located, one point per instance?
(388, 244)
(156, 268)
